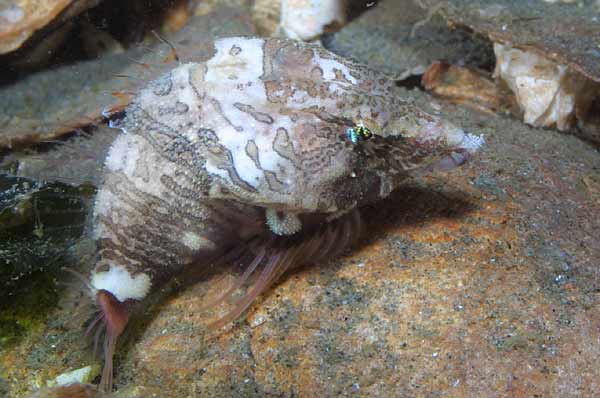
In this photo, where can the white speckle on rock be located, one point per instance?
(82, 375)
(257, 321)
(472, 142)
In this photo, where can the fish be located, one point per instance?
(270, 148)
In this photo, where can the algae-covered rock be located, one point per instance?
(38, 223)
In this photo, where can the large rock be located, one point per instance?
(396, 37)
(479, 282)
(20, 19)
(48, 104)
(565, 33)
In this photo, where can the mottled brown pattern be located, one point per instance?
(278, 91)
(258, 116)
(162, 86)
(274, 183)
(309, 104)
(252, 152)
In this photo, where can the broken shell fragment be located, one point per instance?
(548, 94)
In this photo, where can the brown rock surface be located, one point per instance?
(481, 282)
(468, 87)
(51, 103)
(397, 38)
(20, 19)
(566, 33)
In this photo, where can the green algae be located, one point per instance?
(27, 313)
(39, 222)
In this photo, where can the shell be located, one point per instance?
(268, 148)
(548, 94)
(308, 19)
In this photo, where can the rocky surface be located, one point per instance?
(38, 223)
(566, 33)
(482, 282)
(48, 104)
(468, 87)
(20, 19)
(401, 41)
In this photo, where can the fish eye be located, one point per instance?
(358, 133)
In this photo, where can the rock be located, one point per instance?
(592, 184)
(39, 222)
(266, 15)
(561, 1)
(560, 32)
(549, 94)
(69, 391)
(546, 54)
(392, 38)
(77, 160)
(41, 52)
(20, 19)
(98, 43)
(138, 392)
(468, 87)
(48, 104)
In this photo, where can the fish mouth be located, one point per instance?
(461, 151)
(453, 160)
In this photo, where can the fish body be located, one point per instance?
(270, 140)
